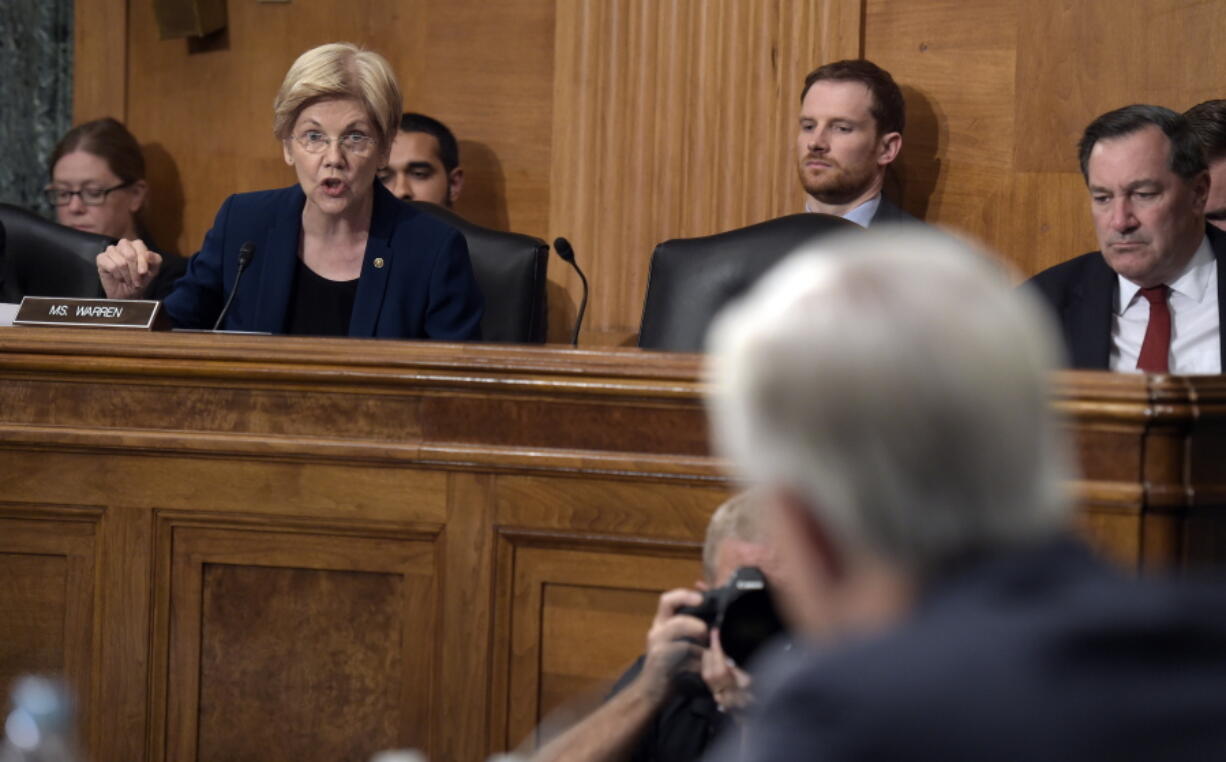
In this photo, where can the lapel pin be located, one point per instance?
(378, 262)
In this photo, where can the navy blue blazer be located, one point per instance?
(1039, 654)
(1082, 293)
(416, 280)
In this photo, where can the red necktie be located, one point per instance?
(1156, 348)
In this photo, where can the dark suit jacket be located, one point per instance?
(888, 211)
(1044, 654)
(416, 279)
(683, 726)
(1082, 293)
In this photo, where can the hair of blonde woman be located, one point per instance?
(896, 382)
(739, 518)
(340, 70)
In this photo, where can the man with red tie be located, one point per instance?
(1148, 300)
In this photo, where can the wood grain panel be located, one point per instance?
(999, 91)
(47, 597)
(201, 408)
(486, 69)
(572, 662)
(957, 145)
(320, 637)
(1078, 60)
(555, 595)
(607, 507)
(467, 564)
(121, 690)
(100, 60)
(208, 483)
(293, 646)
(674, 119)
(32, 597)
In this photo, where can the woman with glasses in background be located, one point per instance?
(334, 255)
(98, 185)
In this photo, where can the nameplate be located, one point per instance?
(90, 313)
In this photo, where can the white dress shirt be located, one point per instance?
(1195, 346)
(861, 215)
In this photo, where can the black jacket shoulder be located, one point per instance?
(1068, 279)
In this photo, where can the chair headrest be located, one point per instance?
(42, 258)
(510, 269)
(691, 279)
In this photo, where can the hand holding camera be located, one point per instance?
(712, 633)
(673, 642)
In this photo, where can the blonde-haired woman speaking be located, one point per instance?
(336, 254)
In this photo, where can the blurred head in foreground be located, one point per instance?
(889, 394)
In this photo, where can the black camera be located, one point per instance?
(744, 612)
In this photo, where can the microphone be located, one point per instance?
(567, 254)
(245, 253)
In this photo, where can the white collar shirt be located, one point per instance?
(862, 215)
(1195, 344)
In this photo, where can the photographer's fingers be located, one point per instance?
(673, 600)
(717, 667)
(677, 628)
(727, 683)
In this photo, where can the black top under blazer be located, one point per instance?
(416, 280)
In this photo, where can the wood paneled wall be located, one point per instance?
(620, 123)
(665, 123)
(999, 91)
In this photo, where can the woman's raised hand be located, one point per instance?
(127, 268)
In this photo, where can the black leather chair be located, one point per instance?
(42, 258)
(511, 271)
(691, 279)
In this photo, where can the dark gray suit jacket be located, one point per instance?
(1082, 293)
(1040, 654)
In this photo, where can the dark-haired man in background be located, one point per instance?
(425, 162)
(1208, 121)
(1148, 299)
(852, 116)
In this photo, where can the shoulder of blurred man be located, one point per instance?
(1044, 653)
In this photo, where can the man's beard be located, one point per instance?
(836, 185)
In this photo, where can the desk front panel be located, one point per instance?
(253, 548)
